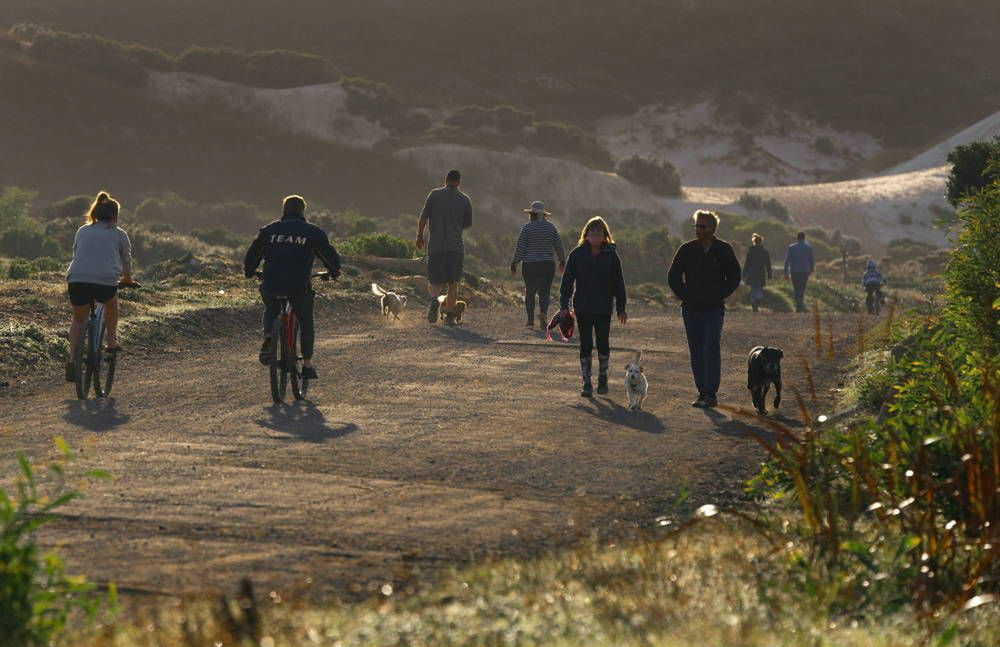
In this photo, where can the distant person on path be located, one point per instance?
(448, 212)
(757, 270)
(102, 258)
(536, 243)
(595, 270)
(287, 247)
(703, 273)
(799, 264)
(872, 281)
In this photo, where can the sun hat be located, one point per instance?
(537, 207)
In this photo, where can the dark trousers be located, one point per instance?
(589, 325)
(704, 335)
(302, 303)
(799, 280)
(538, 277)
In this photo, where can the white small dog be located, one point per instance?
(635, 383)
(391, 302)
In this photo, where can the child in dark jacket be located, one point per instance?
(596, 271)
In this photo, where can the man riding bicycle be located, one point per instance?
(873, 282)
(287, 247)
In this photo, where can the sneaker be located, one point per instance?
(70, 372)
(602, 384)
(432, 311)
(265, 352)
(699, 403)
(588, 390)
(530, 324)
(711, 401)
(309, 373)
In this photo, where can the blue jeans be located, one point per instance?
(704, 335)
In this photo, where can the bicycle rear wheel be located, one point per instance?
(81, 365)
(104, 371)
(300, 385)
(279, 365)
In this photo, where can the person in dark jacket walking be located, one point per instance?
(703, 273)
(596, 271)
(799, 266)
(757, 270)
(536, 243)
(287, 247)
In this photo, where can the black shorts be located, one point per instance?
(444, 267)
(83, 294)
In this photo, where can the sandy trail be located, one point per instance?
(422, 446)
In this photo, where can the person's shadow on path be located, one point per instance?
(303, 420)
(610, 411)
(747, 423)
(94, 415)
(458, 333)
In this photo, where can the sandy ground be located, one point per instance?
(421, 447)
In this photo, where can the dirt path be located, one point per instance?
(422, 446)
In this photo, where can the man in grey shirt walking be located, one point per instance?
(448, 212)
(799, 264)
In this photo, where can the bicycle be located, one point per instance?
(875, 299)
(93, 364)
(286, 364)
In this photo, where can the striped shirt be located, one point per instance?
(536, 242)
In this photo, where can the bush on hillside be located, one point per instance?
(378, 244)
(343, 224)
(771, 206)
(105, 57)
(72, 207)
(646, 254)
(182, 214)
(218, 236)
(150, 247)
(904, 249)
(503, 119)
(659, 176)
(371, 99)
(28, 242)
(14, 205)
(970, 169)
(558, 139)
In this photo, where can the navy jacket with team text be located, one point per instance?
(287, 247)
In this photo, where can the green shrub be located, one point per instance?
(905, 249)
(659, 176)
(37, 596)
(378, 244)
(14, 205)
(280, 68)
(970, 169)
(20, 268)
(150, 247)
(28, 242)
(646, 254)
(223, 63)
(973, 273)
(371, 99)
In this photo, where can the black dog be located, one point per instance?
(763, 370)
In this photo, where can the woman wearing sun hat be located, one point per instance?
(536, 243)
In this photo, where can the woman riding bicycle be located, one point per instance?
(102, 257)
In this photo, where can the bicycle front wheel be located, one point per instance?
(279, 365)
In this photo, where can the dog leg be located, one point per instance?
(777, 393)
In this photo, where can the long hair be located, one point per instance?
(103, 209)
(594, 223)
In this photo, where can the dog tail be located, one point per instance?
(377, 291)
(638, 357)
